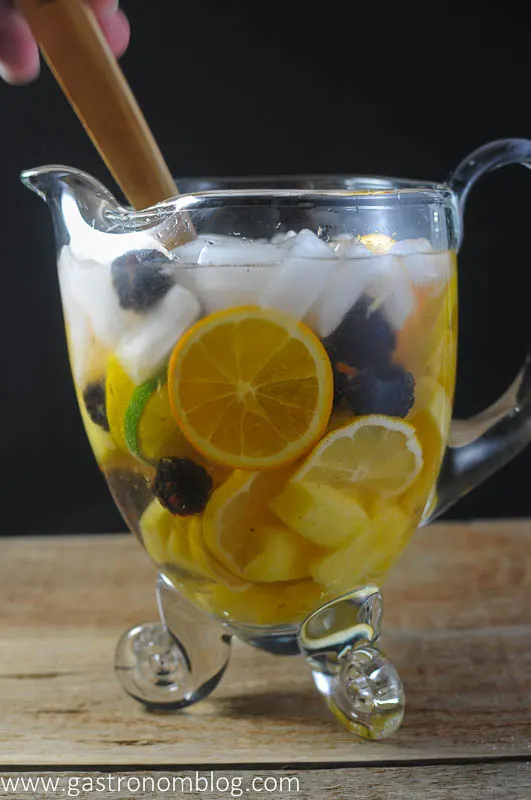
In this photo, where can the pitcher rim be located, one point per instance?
(369, 186)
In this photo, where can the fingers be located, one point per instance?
(19, 55)
(113, 23)
(104, 6)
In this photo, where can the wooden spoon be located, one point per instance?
(87, 71)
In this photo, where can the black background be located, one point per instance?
(244, 88)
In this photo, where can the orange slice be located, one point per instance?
(251, 388)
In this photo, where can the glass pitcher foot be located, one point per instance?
(369, 696)
(360, 685)
(174, 663)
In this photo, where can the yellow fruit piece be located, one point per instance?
(118, 391)
(321, 514)
(167, 539)
(157, 433)
(178, 552)
(88, 356)
(101, 441)
(246, 537)
(156, 527)
(378, 243)
(431, 419)
(251, 388)
(262, 604)
(282, 557)
(368, 557)
(442, 341)
(206, 563)
(373, 454)
(432, 401)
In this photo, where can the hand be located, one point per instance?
(19, 54)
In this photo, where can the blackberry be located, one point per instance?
(363, 339)
(94, 399)
(182, 486)
(386, 390)
(141, 278)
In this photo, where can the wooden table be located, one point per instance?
(457, 625)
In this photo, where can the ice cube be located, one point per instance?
(91, 285)
(392, 290)
(143, 349)
(307, 244)
(88, 356)
(244, 253)
(405, 247)
(344, 287)
(226, 287)
(428, 270)
(425, 266)
(283, 239)
(358, 250)
(296, 285)
(188, 253)
(341, 243)
(77, 324)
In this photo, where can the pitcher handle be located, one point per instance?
(481, 445)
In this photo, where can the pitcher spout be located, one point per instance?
(53, 181)
(87, 217)
(78, 202)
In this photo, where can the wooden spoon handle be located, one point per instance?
(87, 71)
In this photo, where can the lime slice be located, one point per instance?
(140, 417)
(135, 412)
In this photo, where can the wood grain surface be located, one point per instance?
(457, 625)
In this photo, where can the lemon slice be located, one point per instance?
(205, 561)
(247, 538)
(251, 388)
(367, 558)
(374, 455)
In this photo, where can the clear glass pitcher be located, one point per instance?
(265, 370)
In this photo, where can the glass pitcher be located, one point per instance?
(265, 370)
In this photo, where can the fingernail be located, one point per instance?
(6, 74)
(18, 77)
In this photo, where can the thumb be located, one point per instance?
(19, 54)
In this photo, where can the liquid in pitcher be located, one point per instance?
(271, 416)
